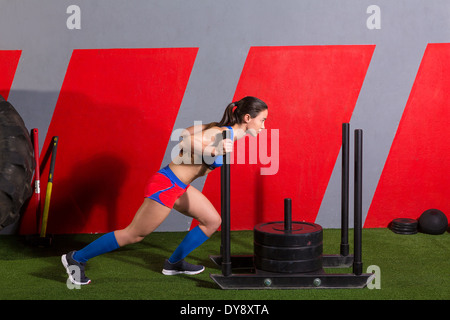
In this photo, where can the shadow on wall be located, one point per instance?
(102, 165)
(89, 193)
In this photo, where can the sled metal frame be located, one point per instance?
(239, 272)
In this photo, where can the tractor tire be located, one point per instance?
(16, 164)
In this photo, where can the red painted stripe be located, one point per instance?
(310, 91)
(114, 118)
(9, 59)
(416, 175)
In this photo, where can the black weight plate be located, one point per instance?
(399, 225)
(294, 266)
(403, 227)
(302, 234)
(404, 232)
(404, 221)
(288, 253)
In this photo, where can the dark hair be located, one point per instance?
(235, 111)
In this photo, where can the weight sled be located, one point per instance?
(244, 271)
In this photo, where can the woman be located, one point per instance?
(201, 152)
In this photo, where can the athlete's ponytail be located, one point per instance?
(235, 111)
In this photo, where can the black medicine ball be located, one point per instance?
(433, 221)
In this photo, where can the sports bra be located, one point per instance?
(218, 161)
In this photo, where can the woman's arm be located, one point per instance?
(200, 142)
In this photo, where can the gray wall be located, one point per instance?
(224, 30)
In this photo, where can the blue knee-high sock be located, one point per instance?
(193, 239)
(105, 243)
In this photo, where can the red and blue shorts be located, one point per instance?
(165, 188)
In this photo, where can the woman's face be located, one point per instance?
(255, 125)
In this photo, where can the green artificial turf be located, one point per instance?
(412, 267)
